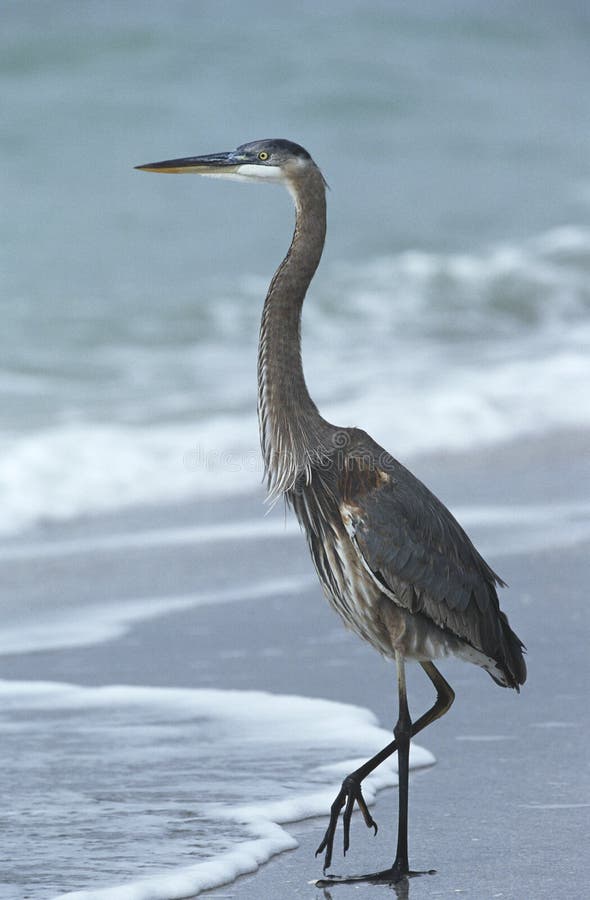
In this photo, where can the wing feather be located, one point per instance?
(415, 548)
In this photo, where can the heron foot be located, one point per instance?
(349, 794)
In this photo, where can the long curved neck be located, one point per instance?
(290, 425)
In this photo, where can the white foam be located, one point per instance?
(148, 793)
(74, 469)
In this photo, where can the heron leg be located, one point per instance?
(403, 734)
(350, 792)
(445, 696)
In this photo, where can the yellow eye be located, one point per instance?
(263, 155)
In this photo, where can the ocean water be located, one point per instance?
(73, 820)
(452, 308)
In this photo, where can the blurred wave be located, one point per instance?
(426, 350)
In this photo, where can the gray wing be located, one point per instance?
(418, 552)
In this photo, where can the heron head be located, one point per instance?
(271, 161)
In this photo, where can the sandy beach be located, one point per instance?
(503, 812)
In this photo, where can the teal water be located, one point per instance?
(454, 289)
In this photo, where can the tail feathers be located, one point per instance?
(510, 659)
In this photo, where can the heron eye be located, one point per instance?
(263, 155)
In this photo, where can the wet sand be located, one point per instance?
(505, 812)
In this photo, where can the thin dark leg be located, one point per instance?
(350, 791)
(403, 733)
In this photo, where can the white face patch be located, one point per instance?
(246, 172)
(260, 173)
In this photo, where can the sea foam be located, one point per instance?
(130, 793)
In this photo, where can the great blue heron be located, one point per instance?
(393, 561)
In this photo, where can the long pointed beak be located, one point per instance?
(213, 164)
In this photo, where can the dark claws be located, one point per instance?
(349, 794)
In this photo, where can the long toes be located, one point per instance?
(369, 820)
(327, 845)
(346, 819)
(348, 796)
(327, 840)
